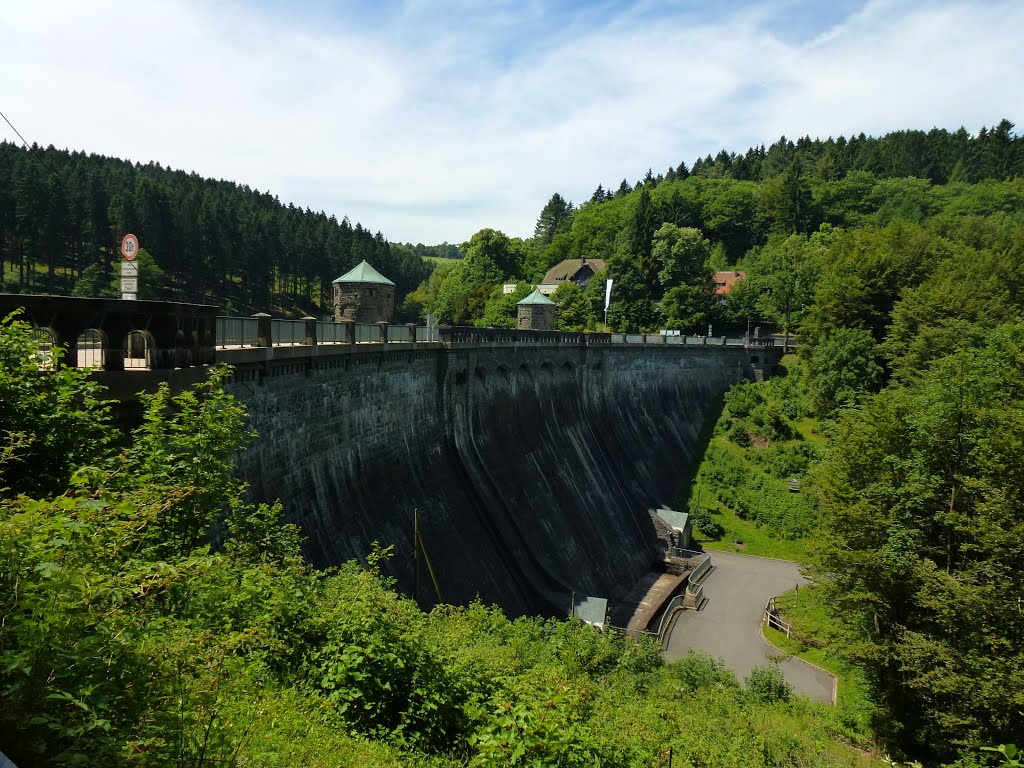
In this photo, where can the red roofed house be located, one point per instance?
(724, 281)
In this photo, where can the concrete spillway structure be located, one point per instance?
(531, 466)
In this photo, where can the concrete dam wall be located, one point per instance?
(532, 467)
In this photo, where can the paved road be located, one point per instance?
(728, 624)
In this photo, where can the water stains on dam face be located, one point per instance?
(531, 466)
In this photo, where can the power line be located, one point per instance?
(15, 130)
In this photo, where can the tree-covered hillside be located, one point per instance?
(661, 237)
(901, 417)
(62, 215)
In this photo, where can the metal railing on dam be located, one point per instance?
(262, 331)
(113, 336)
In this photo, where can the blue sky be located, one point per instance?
(430, 119)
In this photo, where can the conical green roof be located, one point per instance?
(364, 273)
(535, 298)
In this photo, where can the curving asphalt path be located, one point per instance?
(728, 625)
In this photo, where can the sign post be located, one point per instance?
(129, 268)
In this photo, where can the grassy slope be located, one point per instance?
(812, 641)
(749, 536)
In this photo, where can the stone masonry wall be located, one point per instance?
(536, 317)
(364, 302)
(532, 468)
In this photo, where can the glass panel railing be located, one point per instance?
(399, 333)
(288, 331)
(331, 333)
(237, 332)
(424, 333)
(367, 334)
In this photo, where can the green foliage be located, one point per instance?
(97, 282)
(51, 421)
(756, 448)
(63, 214)
(699, 670)
(184, 455)
(153, 285)
(707, 525)
(500, 310)
(922, 495)
(491, 257)
(1011, 755)
(783, 275)
(118, 648)
(680, 255)
(842, 369)
(687, 307)
(742, 399)
(766, 684)
(547, 728)
(966, 293)
(575, 312)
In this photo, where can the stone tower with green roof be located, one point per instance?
(364, 295)
(536, 313)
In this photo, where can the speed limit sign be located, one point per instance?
(130, 247)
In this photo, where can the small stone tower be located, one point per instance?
(536, 313)
(364, 295)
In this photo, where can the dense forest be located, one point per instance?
(62, 215)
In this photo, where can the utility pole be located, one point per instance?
(416, 553)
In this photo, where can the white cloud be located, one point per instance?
(436, 123)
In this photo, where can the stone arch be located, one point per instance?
(47, 340)
(138, 350)
(89, 349)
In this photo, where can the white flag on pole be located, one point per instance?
(607, 293)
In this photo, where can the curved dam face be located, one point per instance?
(530, 468)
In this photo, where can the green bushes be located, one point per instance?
(697, 670)
(736, 481)
(766, 684)
(757, 447)
(126, 641)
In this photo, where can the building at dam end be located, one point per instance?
(535, 313)
(364, 295)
